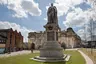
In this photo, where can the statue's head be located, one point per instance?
(51, 4)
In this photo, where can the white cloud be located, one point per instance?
(76, 18)
(93, 9)
(24, 31)
(84, 34)
(45, 19)
(22, 7)
(92, 3)
(64, 5)
(3, 1)
(87, 30)
(81, 33)
(31, 7)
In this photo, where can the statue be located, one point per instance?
(51, 50)
(52, 14)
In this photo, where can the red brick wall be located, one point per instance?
(13, 40)
(8, 40)
(16, 40)
(19, 40)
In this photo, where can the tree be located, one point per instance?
(91, 30)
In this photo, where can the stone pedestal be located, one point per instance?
(51, 49)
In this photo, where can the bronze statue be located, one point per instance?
(52, 14)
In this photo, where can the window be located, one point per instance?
(0, 41)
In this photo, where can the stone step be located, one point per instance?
(51, 59)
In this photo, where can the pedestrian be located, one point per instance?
(32, 47)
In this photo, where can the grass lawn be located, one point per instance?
(76, 58)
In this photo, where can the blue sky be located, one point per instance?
(30, 15)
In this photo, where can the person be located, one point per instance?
(32, 47)
(52, 14)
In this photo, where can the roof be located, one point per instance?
(5, 29)
(3, 37)
(70, 32)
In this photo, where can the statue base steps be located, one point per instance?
(51, 59)
(51, 52)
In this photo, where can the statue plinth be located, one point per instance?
(51, 50)
(51, 32)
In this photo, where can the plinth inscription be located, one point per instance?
(50, 36)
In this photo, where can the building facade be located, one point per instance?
(68, 37)
(10, 40)
(38, 38)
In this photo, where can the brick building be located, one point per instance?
(10, 40)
